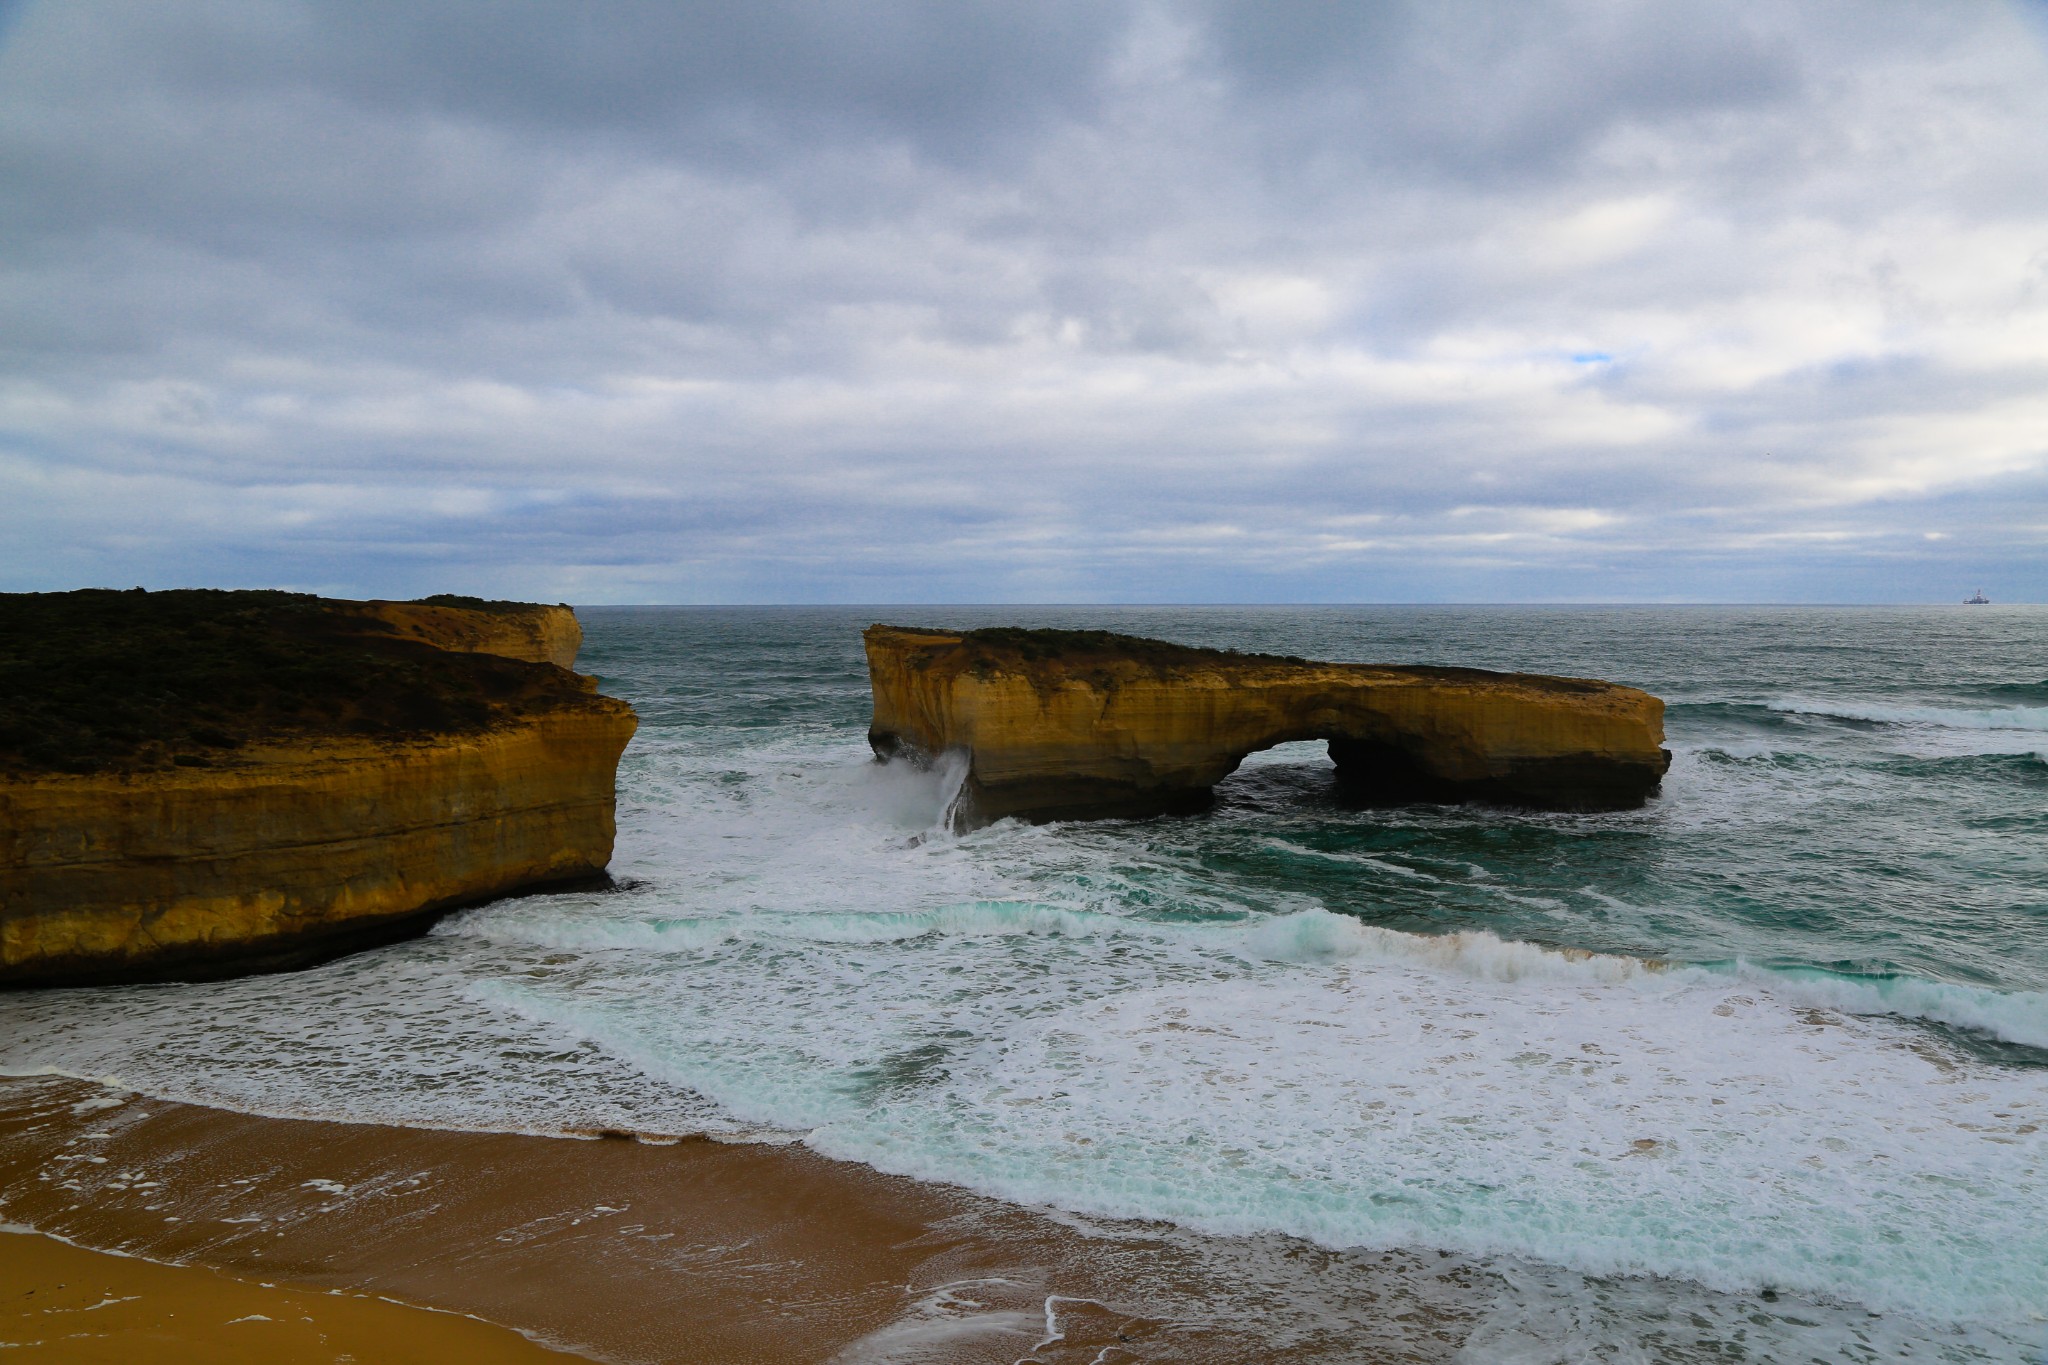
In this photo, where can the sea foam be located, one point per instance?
(1317, 1077)
(1316, 935)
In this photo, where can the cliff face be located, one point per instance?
(344, 810)
(304, 852)
(536, 634)
(1077, 724)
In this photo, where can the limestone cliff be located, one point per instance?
(1073, 724)
(204, 784)
(511, 630)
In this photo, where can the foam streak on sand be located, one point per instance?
(65, 1302)
(582, 1242)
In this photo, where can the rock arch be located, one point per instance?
(1081, 724)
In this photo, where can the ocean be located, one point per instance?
(1759, 1071)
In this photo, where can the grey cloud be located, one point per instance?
(951, 77)
(1487, 91)
(921, 300)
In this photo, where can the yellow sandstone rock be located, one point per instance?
(1074, 724)
(540, 635)
(293, 847)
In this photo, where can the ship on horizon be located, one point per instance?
(1977, 599)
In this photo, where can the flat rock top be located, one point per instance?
(1106, 659)
(106, 681)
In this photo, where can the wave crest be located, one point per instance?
(1307, 937)
(2030, 718)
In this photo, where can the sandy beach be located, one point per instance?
(633, 1251)
(65, 1303)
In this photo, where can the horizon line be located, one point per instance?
(1124, 606)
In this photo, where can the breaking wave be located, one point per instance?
(2032, 718)
(1307, 936)
(1310, 1074)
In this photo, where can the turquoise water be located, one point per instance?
(1786, 1028)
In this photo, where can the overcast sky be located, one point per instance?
(1066, 300)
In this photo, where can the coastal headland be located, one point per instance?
(197, 784)
(1078, 724)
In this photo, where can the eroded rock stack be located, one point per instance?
(202, 784)
(1076, 724)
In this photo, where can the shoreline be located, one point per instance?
(627, 1251)
(72, 1303)
(637, 1252)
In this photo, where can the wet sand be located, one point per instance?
(64, 1303)
(696, 1251)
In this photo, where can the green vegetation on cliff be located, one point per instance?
(456, 599)
(100, 680)
(1094, 646)
(1077, 652)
